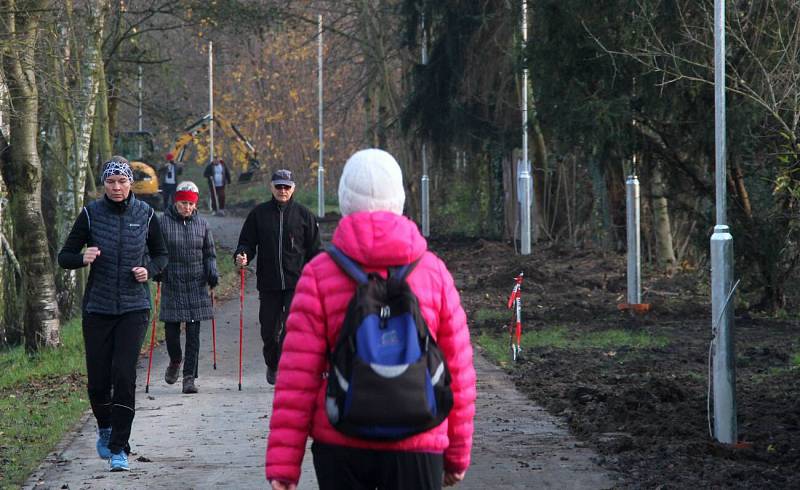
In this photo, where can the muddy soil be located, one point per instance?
(643, 409)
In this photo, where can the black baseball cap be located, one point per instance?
(282, 176)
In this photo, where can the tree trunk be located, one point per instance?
(601, 213)
(538, 169)
(89, 71)
(102, 133)
(10, 272)
(4, 270)
(615, 185)
(665, 252)
(510, 203)
(41, 318)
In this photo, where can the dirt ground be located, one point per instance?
(643, 409)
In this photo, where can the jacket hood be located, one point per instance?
(379, 239)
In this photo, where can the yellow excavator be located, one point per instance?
(138, 148)
(178, 148)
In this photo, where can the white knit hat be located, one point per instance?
(187, 185)
(371, 181)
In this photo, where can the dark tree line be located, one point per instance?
(615, 87)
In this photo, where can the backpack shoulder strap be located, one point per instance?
(400, 273)
(347, 264)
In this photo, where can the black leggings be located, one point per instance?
(112, 345)
(173, 336)
(347, 468)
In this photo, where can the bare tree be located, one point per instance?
(763, 81)
(23, 175)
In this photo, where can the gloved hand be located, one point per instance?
(213, 280)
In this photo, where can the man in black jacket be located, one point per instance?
(286, 235)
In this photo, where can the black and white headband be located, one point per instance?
(117, 166)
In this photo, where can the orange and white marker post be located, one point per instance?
(515, 301)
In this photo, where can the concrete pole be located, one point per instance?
(425, 183)
(211, 100)
(633, 224)
(321, 167)
(525, 176)
(724, 366)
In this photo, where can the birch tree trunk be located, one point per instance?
(78, 38)
(84, 104)
(4, 270)
(665, 252)
(20, 25)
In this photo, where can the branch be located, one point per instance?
(10, 252)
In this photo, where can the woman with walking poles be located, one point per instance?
(382, 251)
(191, 270)
(124, 248)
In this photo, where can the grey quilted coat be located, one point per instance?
(192, 266)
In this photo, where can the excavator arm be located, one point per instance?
(202, 125)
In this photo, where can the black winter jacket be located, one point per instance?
(285, 236)
(128, 235)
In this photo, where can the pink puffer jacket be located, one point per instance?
(376, 240)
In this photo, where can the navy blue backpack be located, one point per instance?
(388, 380)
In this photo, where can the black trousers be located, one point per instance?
(112, 345)
(272, 313)
(168, 192)
(346, 468)
(173, 337)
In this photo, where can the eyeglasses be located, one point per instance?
(283, 187)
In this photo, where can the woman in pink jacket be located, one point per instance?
(374, 233)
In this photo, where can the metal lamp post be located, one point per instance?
(724, 367)
(425, 181)
(525, 175)
(633, 226)
(321, 167)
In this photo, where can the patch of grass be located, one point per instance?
(615, 338)
(796, 360)
(228, 272)
(41, 397)
(17, 367)
(247, 192)
(308, 198)
(491, 315)
(492, 345)
(258, 192)
(497, 345)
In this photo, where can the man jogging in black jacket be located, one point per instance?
(286, 235)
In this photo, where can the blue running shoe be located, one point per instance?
(103, 437)
(119, 461)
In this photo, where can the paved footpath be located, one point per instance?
(217, 438)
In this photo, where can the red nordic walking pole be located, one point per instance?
(213, 330)
(515, 301)
(152, 338)
(241, 324)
